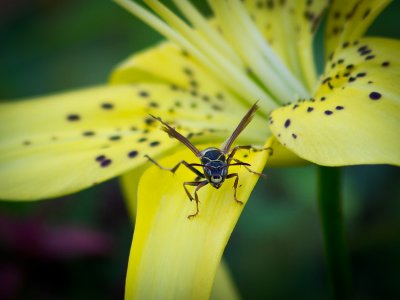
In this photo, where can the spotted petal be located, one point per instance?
(348, 20)
(289, 26)
(60, 144)
(354, 117)
(171, 65)
(173, 257)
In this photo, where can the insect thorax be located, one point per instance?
(212, 154)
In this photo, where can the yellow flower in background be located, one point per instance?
(202, 81)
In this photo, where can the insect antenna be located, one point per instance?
(175, 134)
(225, 147)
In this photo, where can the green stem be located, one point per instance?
(330, 209)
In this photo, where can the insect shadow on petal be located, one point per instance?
(214, 161)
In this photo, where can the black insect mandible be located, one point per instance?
(214, 161)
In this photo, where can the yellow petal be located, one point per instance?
(60, 144)
(129, 182)
(218, 66)
(283, 157)
(168, 63)
(355, 116)
(224, 287)
(348, 20)
(173, 257)
(289, 27)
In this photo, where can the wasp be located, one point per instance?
(215, 162)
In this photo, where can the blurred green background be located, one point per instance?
(76, 247)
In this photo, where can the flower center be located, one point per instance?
(230, 46)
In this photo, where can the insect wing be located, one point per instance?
(175, 134)
(242, 125)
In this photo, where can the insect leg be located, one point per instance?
(246, 165)
(199, 185)
(191, 167)
(246, 147)
(235, 185)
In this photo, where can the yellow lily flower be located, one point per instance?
(202, 81)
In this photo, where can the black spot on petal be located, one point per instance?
(362, 48)
(220, 96)
(328, 112)
(107, 106)
(216, 107)
(287, 123)
(366, 13)
(105, 163)
(88, 133)
(339, 107)
(153, 104)
(143, 94)
(193, 83)
(310, 109)
(154, 144)
(368, 51)
(205, 98)
(188, 71)
(375, 96)
(385, 64)
(149, 121)
(133, 154)
(115, 138)
(294, 136)
(327, 79)
(73, 117)
(100, 158)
